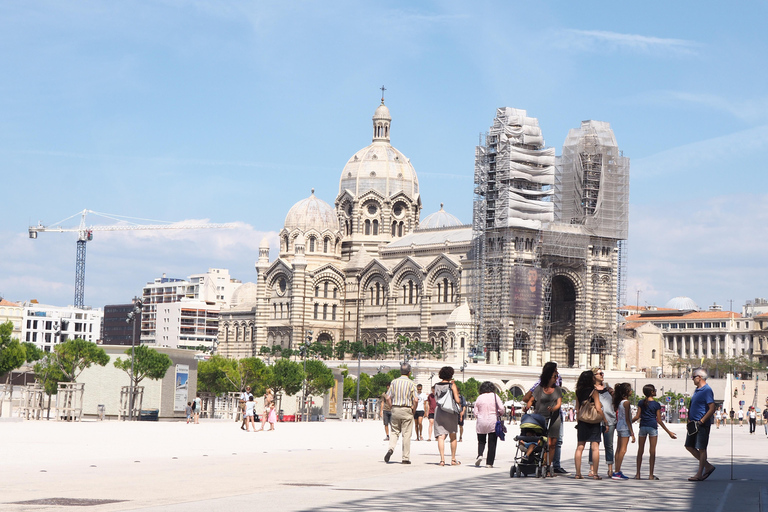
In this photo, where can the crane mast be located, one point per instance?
(85, 234)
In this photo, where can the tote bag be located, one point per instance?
(447, 403)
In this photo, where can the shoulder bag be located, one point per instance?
(447, 402)
(588, 413)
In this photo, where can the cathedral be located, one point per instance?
(534, 276)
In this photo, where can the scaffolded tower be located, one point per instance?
(548, 275)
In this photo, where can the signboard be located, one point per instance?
(669, 399)
(682, 401)
(525, 291)
(181, 395)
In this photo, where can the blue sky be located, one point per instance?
(232, 111)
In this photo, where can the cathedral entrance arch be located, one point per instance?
(563, 316)
(324, 337)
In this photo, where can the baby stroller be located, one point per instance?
(531, 446)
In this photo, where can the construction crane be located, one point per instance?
(85, 234)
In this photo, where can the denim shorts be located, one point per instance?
(622, 432)
(648, 431)
(700, 439)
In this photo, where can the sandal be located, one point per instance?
(455, 462)
(596, 477)
(578, 477)
(442, 463)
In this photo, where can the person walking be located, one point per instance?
(547, 399)
(700, 416)
(462, 415)
(718, 417)
(588, 432)
(198, 404)
(732, 414)
(402, 399)
(606, 400)
(430, 407)
(421, 396)
(752, 416)
(623, 425)
(557, 468)
(741, 417)
(386, 411)
(488, 410)
(243, 401)
(446, 423)
(765, 420)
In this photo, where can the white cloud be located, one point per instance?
(710, 250)
(598, 40)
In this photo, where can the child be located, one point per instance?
(623, 425)
(189, 412)
(249, 408)
(649, 414)
(272, 416)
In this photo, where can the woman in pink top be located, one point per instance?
(488, 409)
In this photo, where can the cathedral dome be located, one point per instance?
(439, 219)
(461, 315)
(379, 167)
(311, 213)
(682, 304)
(245, 296)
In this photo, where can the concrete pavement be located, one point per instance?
(338, 466)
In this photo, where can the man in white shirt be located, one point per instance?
(243, 399)
(421, 396)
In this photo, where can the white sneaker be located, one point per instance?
(478, 461)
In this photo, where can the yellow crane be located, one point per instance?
(85, 234)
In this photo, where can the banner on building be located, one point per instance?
(181, 396)
(525, 291)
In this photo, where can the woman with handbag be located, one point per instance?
(488, 411)
(447, 413)
(546, 399)
(590, 416)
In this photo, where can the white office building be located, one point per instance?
(46, 326)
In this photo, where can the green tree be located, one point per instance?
(147, 363)
(319, 378)
(286, 376)
(286, 353)
(355, 348)
(12, 353)
(349, 387)
(379, 383)
(471, 389)
(48, 373)
(222, 375)
(74, 356)
(340, 349)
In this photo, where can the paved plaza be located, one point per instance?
(338, 465)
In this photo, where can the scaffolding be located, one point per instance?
(555, 227)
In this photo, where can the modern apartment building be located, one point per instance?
(47, 326)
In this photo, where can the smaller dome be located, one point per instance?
(461, 315)
(382, 112)
(311, 213)
(245, 296)
(682, 304)
(439, 219)
(264, 243)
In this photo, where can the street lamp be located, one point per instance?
(132, 315)
(463, 367)
(304, 352)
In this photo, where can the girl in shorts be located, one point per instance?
(649, 414)
(621, 395)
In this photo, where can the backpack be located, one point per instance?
(194, 405)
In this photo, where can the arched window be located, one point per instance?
(334, 293)
(445, 289)
(653, 354)
(410, 292)
(378, 294)
(371, 292)
(311, 244)
(394, 228)
(325, 289)
(462, 342)
(375, 227)
(333, 312)
(438, 292)
(367, 227)
(281, 311)
(317, 306)
(274, 312)
(325, 245)
(325, 311)
(285, 241)
(317, 291)
(400, 229)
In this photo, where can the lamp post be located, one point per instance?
(356, 410)
(305, 351)
(132, 315)
(463, 367)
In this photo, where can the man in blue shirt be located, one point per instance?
(700, 415)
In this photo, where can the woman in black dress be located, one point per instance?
(588, 432)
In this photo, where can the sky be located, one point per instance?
(230, 112)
